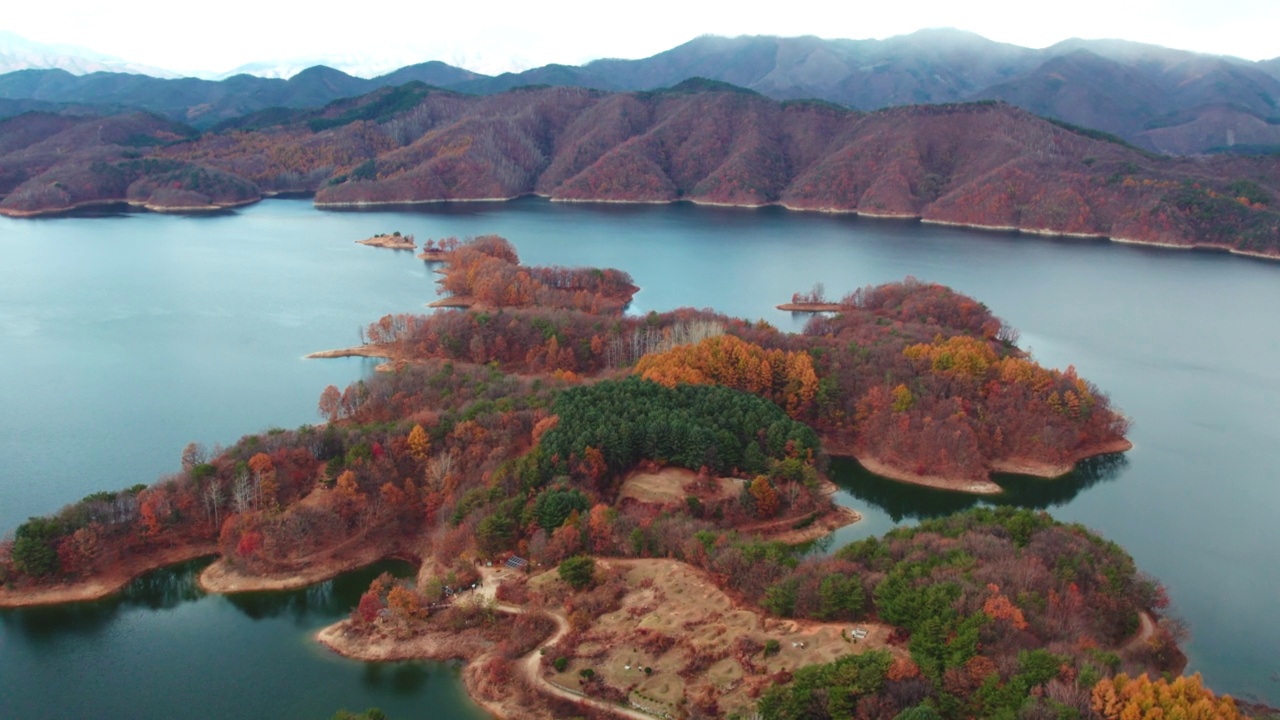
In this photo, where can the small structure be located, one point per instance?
(515, 562)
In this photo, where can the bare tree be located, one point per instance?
(438, 468)
(242, 491)
(214, 497)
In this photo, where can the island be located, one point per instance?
(611, 514)
(390, 241)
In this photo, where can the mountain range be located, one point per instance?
(19, 53)
(1163, 100)
(984, 163)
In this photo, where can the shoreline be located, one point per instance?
(810, 307)
(938, 482)
(369, 351)
(1043, 232)
(1006, 466)
(389, 242)
(454, 301)
(220, 578)
(100, 587)
(1040, 232)
(1051, 471)
(375, 352)
(356, 205)
(158, 209)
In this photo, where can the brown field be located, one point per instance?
(682, 603)
(666, 486)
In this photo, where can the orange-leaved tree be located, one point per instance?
(1125, 698)
(785, 377)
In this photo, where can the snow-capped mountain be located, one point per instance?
(19, 53)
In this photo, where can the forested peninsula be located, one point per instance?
(611, 513)
(984, 164)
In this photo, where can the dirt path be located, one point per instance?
(1146, 631)
(530, 664)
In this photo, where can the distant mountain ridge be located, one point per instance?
(1160, 99)
(985, 164)
(19, 53)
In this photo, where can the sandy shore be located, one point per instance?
(810, 307)
(1017, 228)
(222, 578)
(379, 352)
(823, 525)
(977, 487)
(845, 447)
(215, 207)
(437, 201)
(1041, 469)
(457, 301)
(105, 585)
(1205, 247)
(833, 519)
(369, 351)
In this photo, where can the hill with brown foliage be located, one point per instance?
(1161, 99)
(982, 164)
(919, 382)
(53, 163)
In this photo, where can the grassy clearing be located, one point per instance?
(675, 621)
(665, 486)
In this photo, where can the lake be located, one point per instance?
(125, 337)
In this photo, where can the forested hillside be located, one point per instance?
(984, 164)
(1162, 99)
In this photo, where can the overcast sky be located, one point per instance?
(496, 35)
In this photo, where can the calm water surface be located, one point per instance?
(124, 338)
(164, 649)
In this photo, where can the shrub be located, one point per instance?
(578, 571)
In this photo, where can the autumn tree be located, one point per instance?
(1123, 697)
(192, 455)
(766, 498)
(405, 605)
(787, 378)
(330, 403)
(350, 499)
(600, 528)
(419, 443)
(264, 477)
(998, 607)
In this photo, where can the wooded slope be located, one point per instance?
(987, 164)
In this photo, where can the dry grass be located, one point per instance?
(678, 601)
(665, 486)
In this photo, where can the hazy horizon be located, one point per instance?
(515, 37)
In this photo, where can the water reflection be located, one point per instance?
(163, 589)
(903, 501)
(1041, 494)
(327, 600)
(167, 588)
(401, 678)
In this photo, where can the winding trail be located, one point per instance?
(1146, 631)
(530, 664)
